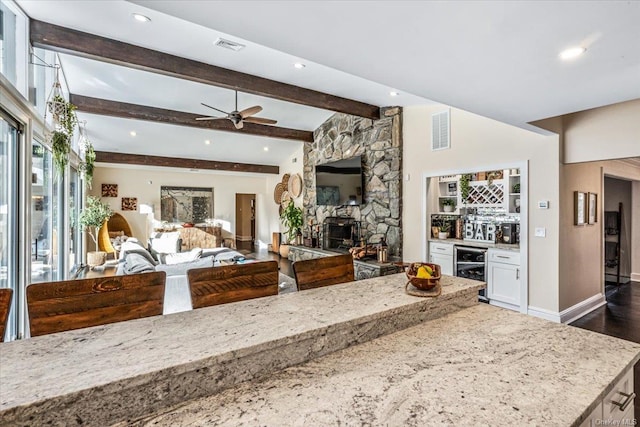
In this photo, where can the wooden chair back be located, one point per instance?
(74, 304)
(231, 283)
(5, 307)
(319, 272)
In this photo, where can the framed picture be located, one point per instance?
(579, 208)
(129, 203)
(109, 190)
(593, 208)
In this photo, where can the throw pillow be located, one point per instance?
(178, 258)
(137, 263)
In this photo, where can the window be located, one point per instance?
(44, 217)
(13, 45)
(75, 231)
(8, 216)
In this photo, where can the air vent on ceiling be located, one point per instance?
(440, 131)
(228, 44)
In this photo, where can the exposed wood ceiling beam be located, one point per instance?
(173, 162)
(87, 45)
(124, 110)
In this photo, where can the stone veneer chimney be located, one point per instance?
(379, 143)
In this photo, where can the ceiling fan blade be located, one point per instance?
(209, 118)
(214, 108)
(250, 111)
(260, 121)
(239, 124)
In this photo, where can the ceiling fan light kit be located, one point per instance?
(239, 117)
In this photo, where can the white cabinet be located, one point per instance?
(503, 279)
(616, 409)
(442, 254)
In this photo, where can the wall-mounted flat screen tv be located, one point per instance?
(340, 183)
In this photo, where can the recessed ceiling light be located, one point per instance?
(141, 18)
(394, 93)
(299, 65)
(207, 142)
(572, 52)
(133, 133)
(266, 148)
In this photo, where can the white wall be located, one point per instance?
(477, 143)
(611, 132)
(144, 184)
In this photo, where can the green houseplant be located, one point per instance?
(91, 219)
(448, 205)
(65, 118)
(292, 220)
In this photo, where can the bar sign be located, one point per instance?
(480, 231)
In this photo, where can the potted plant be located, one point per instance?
(444, 230)
(292, 220)
(92, 217)
(448, 205)
(66, 120)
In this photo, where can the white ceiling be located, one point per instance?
(494, 58)
(169, 34)
(497, 59)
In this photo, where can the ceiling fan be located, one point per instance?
(239, 117)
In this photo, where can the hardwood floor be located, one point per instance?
(284, 263)
(619, 318)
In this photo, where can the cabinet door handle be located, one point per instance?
(517, 273)
(628, 399)
(502, 256)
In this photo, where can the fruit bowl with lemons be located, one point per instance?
(424, 275)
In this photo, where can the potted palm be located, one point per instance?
(92, 217)
(292, 220)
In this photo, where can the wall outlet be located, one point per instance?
(543, 204)
(540, 232)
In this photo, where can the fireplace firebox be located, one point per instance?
(340, 233)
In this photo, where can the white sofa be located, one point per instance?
(134, 258)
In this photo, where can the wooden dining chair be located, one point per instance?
(319, 272)
(231, 283)
(74, 304)
(5, 307)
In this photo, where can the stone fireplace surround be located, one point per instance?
(379, 143)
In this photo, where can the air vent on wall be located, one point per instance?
(440, 131)
(228, 44)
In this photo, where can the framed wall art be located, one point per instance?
(109, 190)
(129, 203)
(579, 208)
(593, 208)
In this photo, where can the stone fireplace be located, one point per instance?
(379, 143)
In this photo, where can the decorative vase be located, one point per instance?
(284, 251)
(97, 258)
(443, 235)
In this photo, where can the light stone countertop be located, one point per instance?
(479, 366)
(98, 374)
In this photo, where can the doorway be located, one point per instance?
(617, 234)
(245, 221)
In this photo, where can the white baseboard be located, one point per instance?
(544, 314)
(635, 277)
(587, 306)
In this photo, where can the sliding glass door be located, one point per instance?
(75, 231)
(9, 136)
(44, 217)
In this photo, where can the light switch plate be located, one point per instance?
(543, 204)
(541, 232)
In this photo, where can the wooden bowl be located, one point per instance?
(425, 284)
